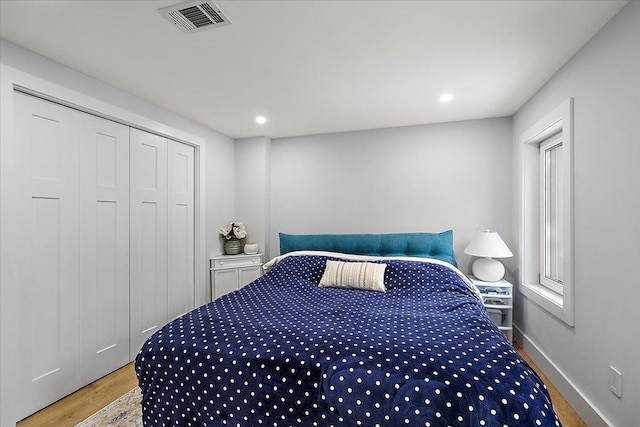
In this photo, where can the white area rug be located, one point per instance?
(124, 412)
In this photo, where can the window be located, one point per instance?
(546, 258)
(551, 224)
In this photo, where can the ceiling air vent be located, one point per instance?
(195, 16)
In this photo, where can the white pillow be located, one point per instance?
(354, 275)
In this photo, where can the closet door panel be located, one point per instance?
(44, 256)
(181, 278)
(104, 247)
(148, 234)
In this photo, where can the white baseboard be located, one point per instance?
(583, 407)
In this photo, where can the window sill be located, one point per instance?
(552, 302)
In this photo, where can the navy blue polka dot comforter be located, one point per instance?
(283, 351)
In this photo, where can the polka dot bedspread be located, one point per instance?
(283, 351)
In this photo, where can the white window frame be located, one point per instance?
(558, 124)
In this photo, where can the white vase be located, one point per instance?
(251, 248)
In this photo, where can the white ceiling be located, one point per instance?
(316, 66)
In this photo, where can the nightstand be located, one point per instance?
(231, 272)
(498, 300)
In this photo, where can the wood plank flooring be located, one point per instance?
(76, 407)
(85, 402)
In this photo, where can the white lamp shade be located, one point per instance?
(488, 244)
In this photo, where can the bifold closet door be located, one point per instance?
(181, 285)
(148, 236)
(162, 233)
(104, 247)
(40, 253)
(67, 242)
(97, 248)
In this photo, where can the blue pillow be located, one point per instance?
(424, 245)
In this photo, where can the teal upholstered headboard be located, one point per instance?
(425, 245)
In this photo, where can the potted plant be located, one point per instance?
(232, 234)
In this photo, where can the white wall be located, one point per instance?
(418, 178)
(604, 80)
(253, 188)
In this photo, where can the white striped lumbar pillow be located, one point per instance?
(354, 275)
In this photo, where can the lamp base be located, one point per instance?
(488, 269)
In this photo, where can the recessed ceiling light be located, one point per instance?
(261, 120)
(446, 97)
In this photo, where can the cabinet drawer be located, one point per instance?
(236, 261)
(500, 316)
(496, 300)
(495, 289)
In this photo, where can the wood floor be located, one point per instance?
(76, 407)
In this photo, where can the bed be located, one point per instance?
(390, 334)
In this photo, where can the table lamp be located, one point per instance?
(488, 245)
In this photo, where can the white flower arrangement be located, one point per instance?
(234, 230)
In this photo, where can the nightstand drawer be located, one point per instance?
(500, 316)
(498, 289)
(235, 261)
(497, 300)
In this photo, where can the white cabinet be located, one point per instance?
(231, 272)
(498, 300)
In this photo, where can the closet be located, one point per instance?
(97, 245)
(162, 252)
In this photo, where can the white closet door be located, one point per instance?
(42, 234)
(148, 234)
(104, 247)
(91, 250)
(181, 229)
